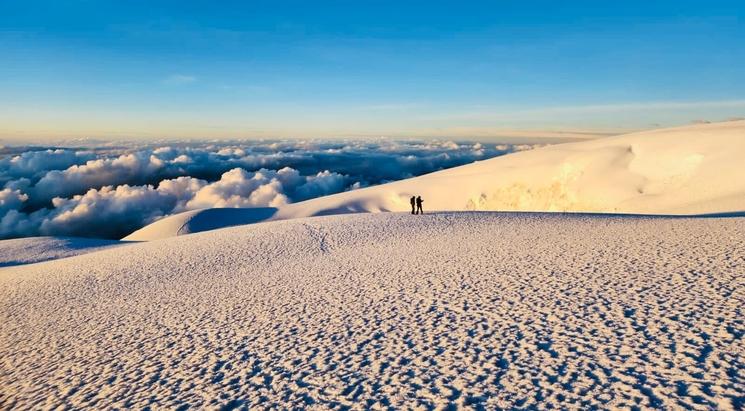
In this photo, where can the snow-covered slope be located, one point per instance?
(485, 310)
(687, 170)
(35, 249)
(196, 221)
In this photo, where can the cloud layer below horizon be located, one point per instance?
(110, 191)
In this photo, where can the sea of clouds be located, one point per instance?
(108, 191)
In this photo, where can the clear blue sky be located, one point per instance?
(279, 68)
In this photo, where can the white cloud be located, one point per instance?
(11, 200)
(126, 168)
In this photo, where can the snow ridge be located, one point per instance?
(684, 171)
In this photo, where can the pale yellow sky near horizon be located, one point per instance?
(484, 123)
(461, 134)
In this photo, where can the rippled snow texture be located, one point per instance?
(468, 309)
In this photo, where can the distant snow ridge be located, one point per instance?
(201, 220)
(686, 170)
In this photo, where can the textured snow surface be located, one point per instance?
(685, 170)
(374, 310)
(35, 249)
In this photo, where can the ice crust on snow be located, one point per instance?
(473, 309)
(694, 169)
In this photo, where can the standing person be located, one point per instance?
(419, 202)
(413, 202)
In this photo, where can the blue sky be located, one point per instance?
(154, 69)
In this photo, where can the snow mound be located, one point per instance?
(686, 170)
(451, 310)
(36, 249)
(196, 221)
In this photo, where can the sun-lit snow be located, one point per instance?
(695, 169)
(482, 310)
(687, 170)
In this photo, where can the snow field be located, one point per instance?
(474, 310)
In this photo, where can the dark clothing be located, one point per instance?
(413, 203)
(419, 202)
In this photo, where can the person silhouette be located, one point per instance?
(419, 202)
(413, 203)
